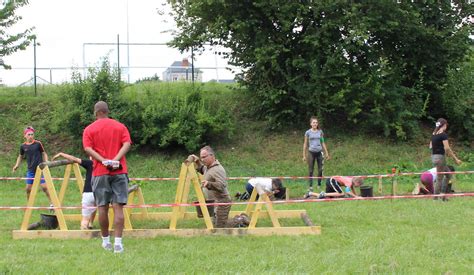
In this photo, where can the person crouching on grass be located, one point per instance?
(271, 186)
(427, 180)
(35, 154)
(337, 187)
(88, 201)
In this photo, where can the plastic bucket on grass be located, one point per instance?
(49, 221)
(366, 191)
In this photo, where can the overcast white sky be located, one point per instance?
(63, 26)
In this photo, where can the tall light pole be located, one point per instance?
(128, 50)
(34, 64)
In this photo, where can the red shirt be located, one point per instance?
(106, 136)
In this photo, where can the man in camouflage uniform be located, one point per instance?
(214, 181)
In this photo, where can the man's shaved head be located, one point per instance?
(101, 106)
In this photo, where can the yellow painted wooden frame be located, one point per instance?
(188, 176)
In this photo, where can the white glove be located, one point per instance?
(112, 163)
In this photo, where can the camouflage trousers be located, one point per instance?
(222, 214)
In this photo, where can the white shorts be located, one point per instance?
(87, 201)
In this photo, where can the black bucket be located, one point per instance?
(210, 209)
(366, 191)
(49, 221)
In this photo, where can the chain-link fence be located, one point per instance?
(137, 61)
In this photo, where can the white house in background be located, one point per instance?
(182, 71)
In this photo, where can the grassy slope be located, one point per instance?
(406, 236)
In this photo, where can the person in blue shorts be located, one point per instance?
(34, 153)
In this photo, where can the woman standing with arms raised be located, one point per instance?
(440, 146)
(313, 147)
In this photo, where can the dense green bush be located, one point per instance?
(458, 100)
(370, 65)
(188, 117)
(183, 118)
(80, 96)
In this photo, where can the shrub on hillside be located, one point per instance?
(184, 119)
(458, 100)
(157, 119)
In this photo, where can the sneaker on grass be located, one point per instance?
(107, 246)
(118, 248)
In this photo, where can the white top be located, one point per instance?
(433, 173)
(262, 185)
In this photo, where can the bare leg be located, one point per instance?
(85, 223)
(328, 195)
(91, 220)
(28, 191)
(104, 220)
(45, 190)
(118, 219)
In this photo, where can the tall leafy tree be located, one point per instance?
(377, 64)
(10, 43)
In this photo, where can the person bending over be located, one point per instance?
(272, 187)
(88, 202)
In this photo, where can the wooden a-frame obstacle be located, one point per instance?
(188, 176)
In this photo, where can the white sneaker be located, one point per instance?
(107, 246)
(118, 248)
(416, 190)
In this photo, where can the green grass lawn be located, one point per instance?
(414, 236)
(390, 236)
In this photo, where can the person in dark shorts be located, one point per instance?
(34, 153)
(88, 202)
(107, 141)
(337, 187)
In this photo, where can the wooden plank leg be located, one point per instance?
(54, 198)
(271, 212)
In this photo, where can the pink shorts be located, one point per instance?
(427, 180)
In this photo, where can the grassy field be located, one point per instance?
(420, 236)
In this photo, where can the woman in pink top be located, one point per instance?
(338, 186)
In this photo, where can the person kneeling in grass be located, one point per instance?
(427, 180)
(338, 186)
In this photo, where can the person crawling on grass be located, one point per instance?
(427, 180)
(35, 154)
(88, 201)
(337, 187)
(272, 187)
